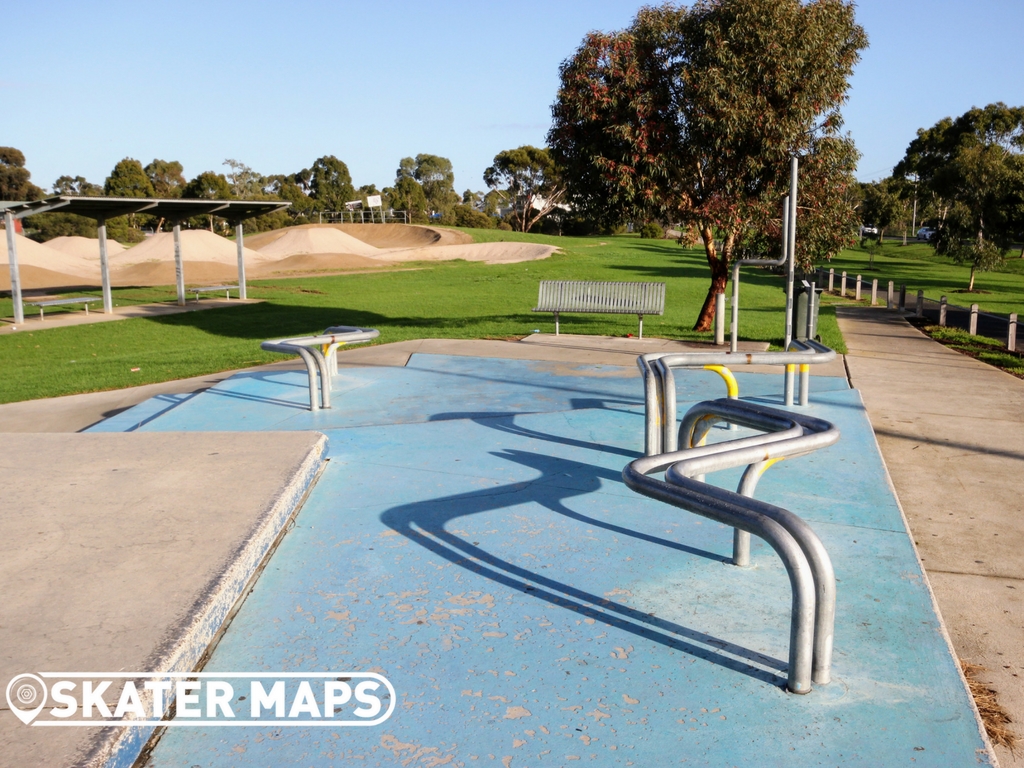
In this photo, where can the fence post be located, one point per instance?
(919, 310)
(719, 319)
(1011, 333)
(858, 288)
(889, 297)
(973, 330)
(874, 292)
(942, 311)
(831, 279)
(842, 286)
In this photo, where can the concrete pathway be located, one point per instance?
(59, 319)
(951, 430)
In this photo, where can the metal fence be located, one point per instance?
(970, 319)
(367, 216)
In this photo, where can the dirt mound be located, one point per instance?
(298, 240)
(37, 278)
(84, 247)
(162, 273)
(377, 235)
(316, 262)
(33, 254)
(197, 245)
(491, 253)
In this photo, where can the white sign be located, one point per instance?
(373, 201)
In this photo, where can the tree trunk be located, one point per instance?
(970, 287)
(719, 264)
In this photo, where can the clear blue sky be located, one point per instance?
(276, 85)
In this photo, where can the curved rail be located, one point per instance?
(660, 390)
(316, 351)
(784, 435)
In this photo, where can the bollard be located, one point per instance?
(903, 297)
(874, 292)
(942, 311)
(819, 277)
(831, 279)
(842, 286)
(889, 296)
(973, 330)
(919, 310)
(1011, 333)
(857, 296)
(719, 319)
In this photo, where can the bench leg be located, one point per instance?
(641, 334)
(40, 314)
(556, 323)
(87, 308)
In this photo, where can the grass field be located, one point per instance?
(920, 268)
(438, 300)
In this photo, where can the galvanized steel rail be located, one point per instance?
(785, 435)
(623, 298)
(660, 391)
(319, 353)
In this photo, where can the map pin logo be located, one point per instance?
(22, 692)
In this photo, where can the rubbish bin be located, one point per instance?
(807, 294)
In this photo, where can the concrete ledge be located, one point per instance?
(128, 552)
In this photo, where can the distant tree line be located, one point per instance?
(523, 188)
(964, 179)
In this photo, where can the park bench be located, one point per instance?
(583, 296)
(214, 289)
(85, 300)
(320, 354)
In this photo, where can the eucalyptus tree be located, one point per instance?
(691, 115)
(532, 181)
(974, 168)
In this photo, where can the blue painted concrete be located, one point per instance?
(485, 556)
(431, 387)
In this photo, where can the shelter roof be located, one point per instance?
(102, 208)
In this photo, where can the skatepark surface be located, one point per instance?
(471, 539)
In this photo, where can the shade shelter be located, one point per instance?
(103, 208)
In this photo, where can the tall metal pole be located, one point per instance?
(241, 260)
(791, 272)
(101, 233)
(790, 279)
(12, 259)
(179, 274)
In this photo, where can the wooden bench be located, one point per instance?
(86, 300)
(601, 297)
(214, 289)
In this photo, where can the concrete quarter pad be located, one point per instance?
(125, 552)
(529, 609)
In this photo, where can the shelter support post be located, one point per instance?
(101, 233)
(12, 260)
(241, 260)
(179, 272)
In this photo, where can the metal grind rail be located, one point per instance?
(320, 354)
(660, 390)
(785, 435)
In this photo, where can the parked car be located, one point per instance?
(868, 229)
(925, 233)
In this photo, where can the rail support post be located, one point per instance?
(842, 285)
(903, 297)
(919, 309)
(831, 279)
(973, 330)
(890, 296)
(874, 292)
(720, 319)
(942, 311)
(1011, 333)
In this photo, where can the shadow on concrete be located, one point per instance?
(424, 522)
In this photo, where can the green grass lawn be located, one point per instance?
(438, 300)
(920, 268)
